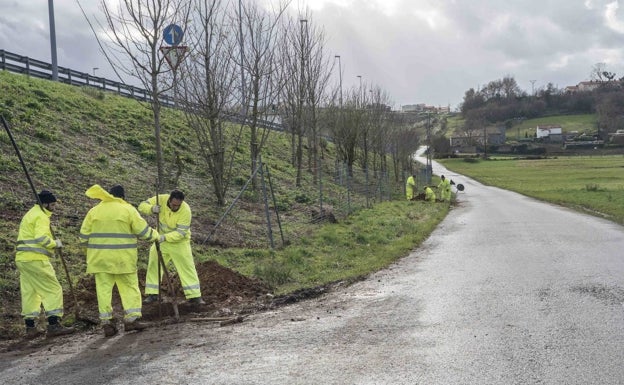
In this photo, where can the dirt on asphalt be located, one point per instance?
(227, 294)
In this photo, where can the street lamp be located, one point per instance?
(361, 97)
(95, 69)
(53, 40)
(340, 77)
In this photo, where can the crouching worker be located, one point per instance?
(110, 231)
(430, 196)
(38, 282)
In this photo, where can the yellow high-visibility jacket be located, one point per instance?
(445, 189)
(34, 239)
(429, 195)
(410, 187)
(110, 231)
(175, 226)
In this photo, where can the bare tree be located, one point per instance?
(403, 141)
(307, 70)
(208, 81)
(260, 64)
(344, 128)
(318, 72)
(597, 71)
(365, 125)
(293, 92)
(379, 112)
(134, 30)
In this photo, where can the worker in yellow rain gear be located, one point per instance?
(430, 196)
(38, 283)
(110, 231)
(444, 187)
(410, 187)
(174, 221)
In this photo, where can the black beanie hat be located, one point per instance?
(46, 197)
(117, 191)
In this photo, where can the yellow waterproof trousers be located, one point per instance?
(128, 287)
(39, 286)
(409, 193)
(181, 255)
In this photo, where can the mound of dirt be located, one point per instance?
(226, 293)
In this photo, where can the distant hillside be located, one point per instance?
(569, 123)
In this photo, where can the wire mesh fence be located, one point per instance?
(330, 195)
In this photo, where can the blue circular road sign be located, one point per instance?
(173, 34)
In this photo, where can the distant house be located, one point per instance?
(425, 108)
(617, 137)
(585, 86)
(589, 86)
(495, 136)
(550, 133)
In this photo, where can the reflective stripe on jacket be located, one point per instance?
(176, 226)
(110, 231)
(34, 239)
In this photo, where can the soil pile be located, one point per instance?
(226, 293)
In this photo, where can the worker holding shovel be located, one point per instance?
(444, 187)
(174, 221)
(410, 187)
(38, 283)
(110, 231)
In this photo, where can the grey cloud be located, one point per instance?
(429, 51)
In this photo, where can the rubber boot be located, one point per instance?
(196, 301)
(134, 324)
(56, 329)
(150, 298)
(109, 328)
(32, 332)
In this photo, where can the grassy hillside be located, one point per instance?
(581, 123)
(72, 138)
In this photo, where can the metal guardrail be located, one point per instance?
(31, 67)
(39, 69)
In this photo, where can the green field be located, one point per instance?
(569, 123)
(589, 184)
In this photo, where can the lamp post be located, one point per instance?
(53, 40)
(339, 77)
(95, 69)
(360, 76)
(429, 164)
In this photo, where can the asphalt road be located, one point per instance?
(507, 290)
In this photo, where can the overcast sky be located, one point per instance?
(418, 51)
